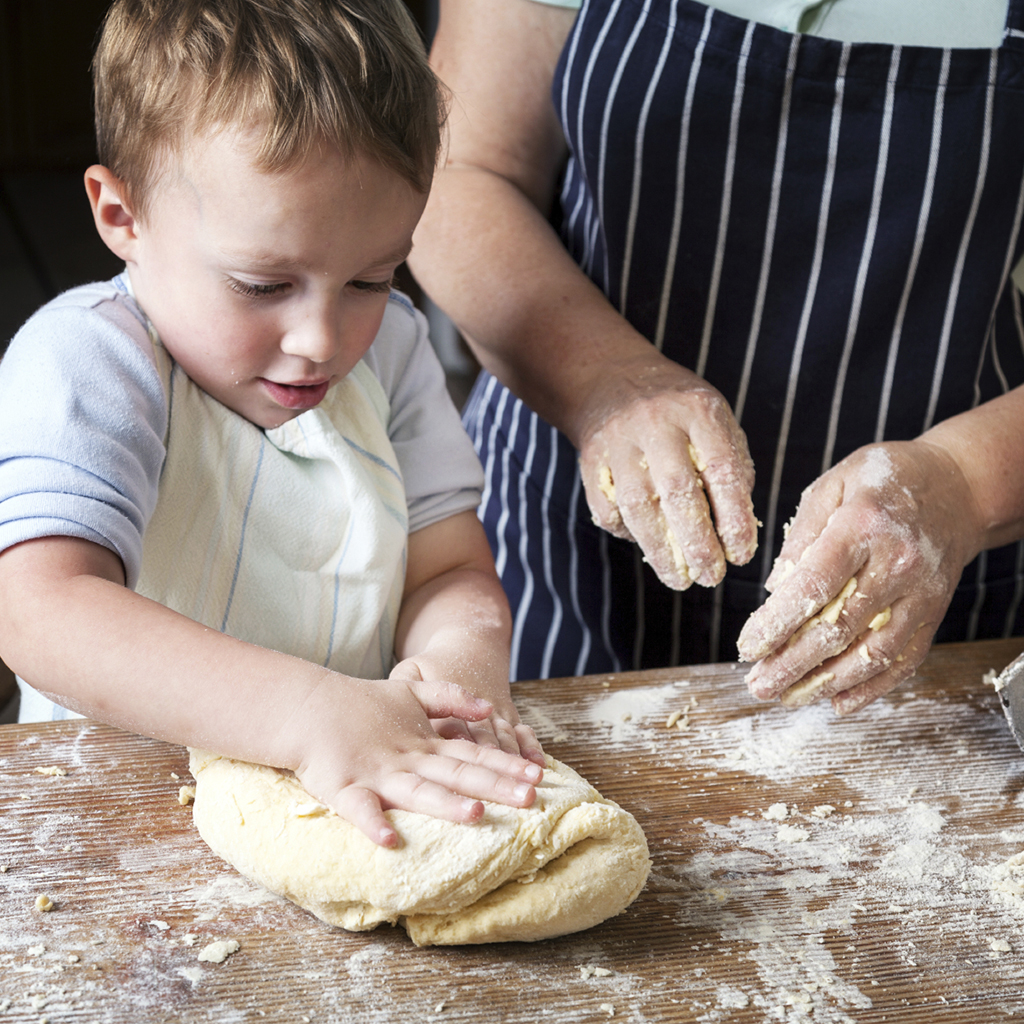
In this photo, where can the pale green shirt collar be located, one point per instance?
(954, 23)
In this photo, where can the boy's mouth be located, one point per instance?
(296, 396)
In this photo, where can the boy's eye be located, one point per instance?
(255, 291)
(373, 286)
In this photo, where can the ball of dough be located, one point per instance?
(570, 861)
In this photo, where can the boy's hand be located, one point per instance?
(502, 729)
(368, 746)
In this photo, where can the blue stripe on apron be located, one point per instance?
(825, 231)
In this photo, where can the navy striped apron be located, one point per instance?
(825, 231)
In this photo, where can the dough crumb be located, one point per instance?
(53, 769)
(785, 568)
(823, 811)
(3, 868)
(160, 926)
(792, 834)
(439, 1008)
(74, 958)
(830, 613)
(309, 809)
(186, 794)
(806, 692)
(189, 939)
(588, 971)
(999, 946)
(776, 812)
(36, 950)
(44, 904)
(607, 1008)
(672, 719)
(217, 952)
(880, 619)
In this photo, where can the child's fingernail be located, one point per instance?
(522, 791)
(534, 772)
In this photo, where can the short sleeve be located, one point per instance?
(441, 472)
(82, 422)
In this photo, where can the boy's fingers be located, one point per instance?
(451, 728)
(484, 773)
(363, 809)
(483, 733)
(409, 791)
(449, 700)
(529, 745)
(407, 670)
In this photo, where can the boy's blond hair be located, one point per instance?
(348, 73)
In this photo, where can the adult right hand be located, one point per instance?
(665, 464)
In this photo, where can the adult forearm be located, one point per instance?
(987, 444)
(488, 257)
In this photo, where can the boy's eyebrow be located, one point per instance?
(267, 259)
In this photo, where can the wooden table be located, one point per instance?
(892, 907)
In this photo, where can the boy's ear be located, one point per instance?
(115, 222)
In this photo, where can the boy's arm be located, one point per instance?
(455, 626)
(73, 630)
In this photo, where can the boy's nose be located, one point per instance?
(316, 337)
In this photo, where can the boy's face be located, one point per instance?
(268, 288)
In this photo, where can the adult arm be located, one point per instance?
(902, 519)
(659, 448)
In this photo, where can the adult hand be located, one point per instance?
(864, 577)
(665, 463)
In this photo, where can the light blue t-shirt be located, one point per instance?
(953, 23)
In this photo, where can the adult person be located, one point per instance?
(760, 236)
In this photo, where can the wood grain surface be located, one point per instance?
(895, 906)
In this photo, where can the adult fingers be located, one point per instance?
(720, 456)
(683, 515)
(890, 655)
(810, 610)
(817, 505)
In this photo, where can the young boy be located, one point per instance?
(232, 488)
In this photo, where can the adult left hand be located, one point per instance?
(865, 575)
